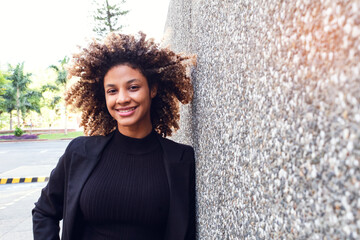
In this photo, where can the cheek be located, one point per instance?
(108, 102)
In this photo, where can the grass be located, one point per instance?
(54, 136)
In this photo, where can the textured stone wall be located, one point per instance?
(276, 117)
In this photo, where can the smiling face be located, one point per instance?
(128, 100)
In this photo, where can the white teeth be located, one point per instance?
(127, 110)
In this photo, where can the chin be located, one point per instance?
(126, 124)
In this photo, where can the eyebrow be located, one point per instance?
(128, 82)
(132, 80)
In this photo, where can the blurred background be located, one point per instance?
(37, 41)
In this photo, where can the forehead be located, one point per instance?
(123, 73)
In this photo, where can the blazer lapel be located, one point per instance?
(83, 163)
(178, 174)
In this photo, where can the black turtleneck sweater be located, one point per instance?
(127, 194)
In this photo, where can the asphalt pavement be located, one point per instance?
(24, 160)
(40, 155)
(16, 202)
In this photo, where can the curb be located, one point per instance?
(23, 180)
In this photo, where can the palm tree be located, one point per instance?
(19, 81)
(53, 104)
(62, 81)
(9, 103)
(3, 83)
(30, 102)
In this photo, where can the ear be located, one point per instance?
(153, 91)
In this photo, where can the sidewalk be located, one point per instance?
(17, 200)
(26, 161)
(28, 174)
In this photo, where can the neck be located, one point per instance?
(135, 132)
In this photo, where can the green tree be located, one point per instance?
(3, 83)
(56, 99)
(106, 17)
(52, 101)
(9, 104)
(19, 81)
(18, 96)
(62, 81)
(30, 101)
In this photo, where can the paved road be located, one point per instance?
(17, 154)
(16, 202)
(24, 159)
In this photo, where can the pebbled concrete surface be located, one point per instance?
(276, 117)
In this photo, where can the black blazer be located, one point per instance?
(60, 198)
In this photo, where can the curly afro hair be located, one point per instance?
(161, 67)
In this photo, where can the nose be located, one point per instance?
(123, 97)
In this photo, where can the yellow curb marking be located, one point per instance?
(41, 179)
(16, 180)
(23, 180)
(27, 180)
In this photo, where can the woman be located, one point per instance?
(125, 180)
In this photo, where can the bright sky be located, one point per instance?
(41, 32)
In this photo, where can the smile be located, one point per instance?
(126, 110)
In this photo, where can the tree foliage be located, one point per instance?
(18, 96)
(106, 17)
(61, 71)
(49, 87)
(18, 78)
(3, 83)
(31, 101)
(9, 97)
(61, 80)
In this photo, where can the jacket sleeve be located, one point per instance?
(48, 210)
(191, 233)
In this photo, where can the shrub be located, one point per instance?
(12, 137)
(18, 132)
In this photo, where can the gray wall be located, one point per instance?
(276, 117)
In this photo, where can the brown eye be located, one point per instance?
(111, 91)
(134, 88)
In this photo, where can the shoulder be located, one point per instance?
(76, 142)
(185, 151)
(80, 144)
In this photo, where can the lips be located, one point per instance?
(125, 110)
